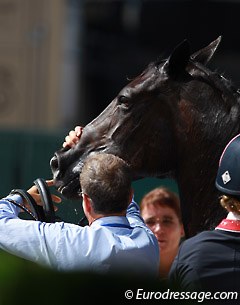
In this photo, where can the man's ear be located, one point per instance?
(131, 196)
(87, 205)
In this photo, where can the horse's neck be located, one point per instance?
(199, 197)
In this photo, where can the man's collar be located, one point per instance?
(110, 220)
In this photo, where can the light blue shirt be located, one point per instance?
(114, 243)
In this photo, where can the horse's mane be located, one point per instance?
(217, 80)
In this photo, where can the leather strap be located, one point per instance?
(46, 199)
(36, 210)
(45, 213)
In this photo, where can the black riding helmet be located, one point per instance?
(228, 175)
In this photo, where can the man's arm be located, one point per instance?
(25, 238)
(133, 214)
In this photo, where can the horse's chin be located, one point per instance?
(71, 190)
(71, 194)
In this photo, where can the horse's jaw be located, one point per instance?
(68, 184)
(71, 190)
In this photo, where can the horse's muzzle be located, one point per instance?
(55, 168)
(66, 182)
(54, 165)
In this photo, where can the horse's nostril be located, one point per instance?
(54, 163)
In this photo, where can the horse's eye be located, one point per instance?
(123, 99)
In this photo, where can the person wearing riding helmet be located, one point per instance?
(210, 261)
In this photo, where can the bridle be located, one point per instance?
(42, 213)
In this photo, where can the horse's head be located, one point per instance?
(139, 125)
(157, 123)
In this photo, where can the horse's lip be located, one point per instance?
(60, 189)
(73, 184)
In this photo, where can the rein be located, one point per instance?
(45, 213)
(41, 213)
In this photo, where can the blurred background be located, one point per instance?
(63, 61)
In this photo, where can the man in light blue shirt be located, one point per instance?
(116, 239)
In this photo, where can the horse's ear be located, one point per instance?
(178, 60)
(204, 55)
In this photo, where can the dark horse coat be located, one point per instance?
(173, 120)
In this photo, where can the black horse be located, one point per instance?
(171, 121)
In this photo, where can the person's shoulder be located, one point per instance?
(198, 239)
(202, 235)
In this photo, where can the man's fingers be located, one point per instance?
(70, 140)
(78, 130)
(50, 182)
(73, 137)
(56, 199)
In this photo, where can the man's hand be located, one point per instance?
(33, 191)
(73, 137)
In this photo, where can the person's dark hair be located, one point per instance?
(162, 196)
(106, 179)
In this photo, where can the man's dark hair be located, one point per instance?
(106, 179)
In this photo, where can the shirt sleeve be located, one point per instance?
(133, 214)
(34, 240)
(9, 208)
